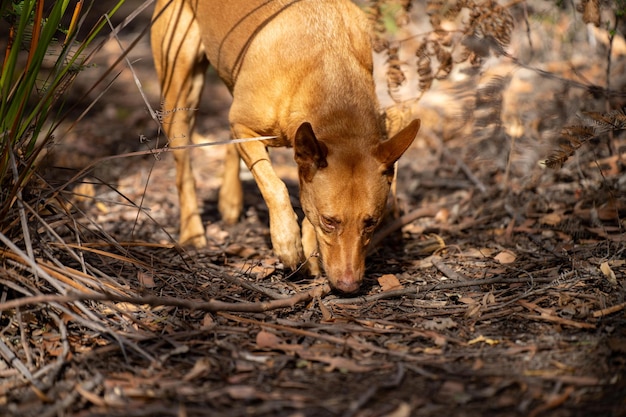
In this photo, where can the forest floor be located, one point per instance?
(500, 291)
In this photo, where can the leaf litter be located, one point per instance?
(492, 295)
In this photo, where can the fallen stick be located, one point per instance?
(401, 222)
(210, 306)
(609, 310)
(414, 290)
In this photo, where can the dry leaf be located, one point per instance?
(551, 219)
(84, 192)
(389, 282)
(453, 389)
(236, 249)
(403, 410)
(483, 339)
(217, 234)
(243, 392)
(128, 307)
(489, 298)
(439, 324)
(473, 310)
(505, 257)
(265, 339)
(477, 253)
(478, 364)
(442, 216)
(257, 270)
(327, 315)
(200, 368)
(146, 279)
(207, 321)
(342, 364)
(608, 273)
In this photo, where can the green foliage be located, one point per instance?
(390, 12)
(30, 98)
(620, 8)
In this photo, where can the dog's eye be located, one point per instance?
(328, 223)
(369, 225)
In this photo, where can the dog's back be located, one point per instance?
(280, 59)
(230, 27)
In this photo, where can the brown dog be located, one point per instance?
(300, 70)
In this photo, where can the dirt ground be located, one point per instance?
(500, 291)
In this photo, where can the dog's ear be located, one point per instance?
(389, 151)
(309, 153)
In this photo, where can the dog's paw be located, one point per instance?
(290, 255)
(286, 242)
(197, 242)
(193, 235)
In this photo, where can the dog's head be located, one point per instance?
(343, 192)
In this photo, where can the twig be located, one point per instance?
(559, 320)
(30, 261)
(92, 322)
(211, 306)
(545, 315)
(609, 310)
(466, 170)
(155, 151)
(397, 224)
(21, 210)
(413, 290)
(244, 283)
(25, 345)
(553, 402)
(152, 112)
(61, 359)
(15, 362)
(350, 342)
(60, 406)
(609, 52)
(371, 392)
(446, 270)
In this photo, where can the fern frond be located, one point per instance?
(571, 139)
(610, 121)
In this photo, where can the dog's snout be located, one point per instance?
(346, 282)
(347, 286)
(344, 263)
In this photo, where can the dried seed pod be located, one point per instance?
(590, 11)
(394, 76)
(424, 67)
(445, 62)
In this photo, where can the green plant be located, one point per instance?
(31, 98)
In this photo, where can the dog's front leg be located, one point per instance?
(284, 229)
(309, 244)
